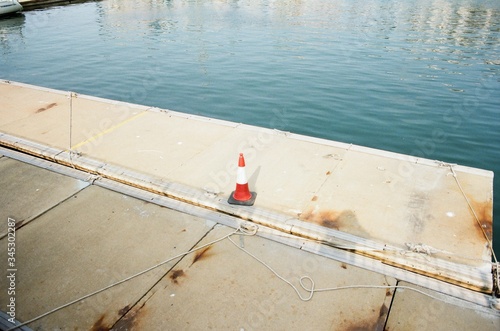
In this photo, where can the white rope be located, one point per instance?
(421, 248)
(278, 275)
(311, 287)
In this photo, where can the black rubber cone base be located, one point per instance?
(248, 202)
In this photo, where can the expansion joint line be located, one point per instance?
(335, 166)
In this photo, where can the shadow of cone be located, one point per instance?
(242, 195)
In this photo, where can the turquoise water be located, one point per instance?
(414, 77)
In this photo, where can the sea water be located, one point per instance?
(413, 77)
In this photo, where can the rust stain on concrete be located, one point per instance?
(124, 310)
(377, 325)
(99, 325)
(202, 254)
(343, 220)
(39, 110)
(484, 212)
(176, 274)
(132, 320)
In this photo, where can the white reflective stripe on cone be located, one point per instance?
(241, 178)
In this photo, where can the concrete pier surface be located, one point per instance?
(102, 191)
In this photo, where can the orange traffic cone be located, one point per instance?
(242, 195)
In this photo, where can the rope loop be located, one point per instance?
(247, 229)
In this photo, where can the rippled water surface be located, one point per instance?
(414, 77)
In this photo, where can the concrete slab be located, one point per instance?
(221, 287)
(414, 311)
(365, 197)
(28, 191)
(95, 238)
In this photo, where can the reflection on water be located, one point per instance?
(448, 31)
(457, 28)
(384, 74)
(11, 31)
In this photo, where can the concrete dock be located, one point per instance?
(104, 193)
